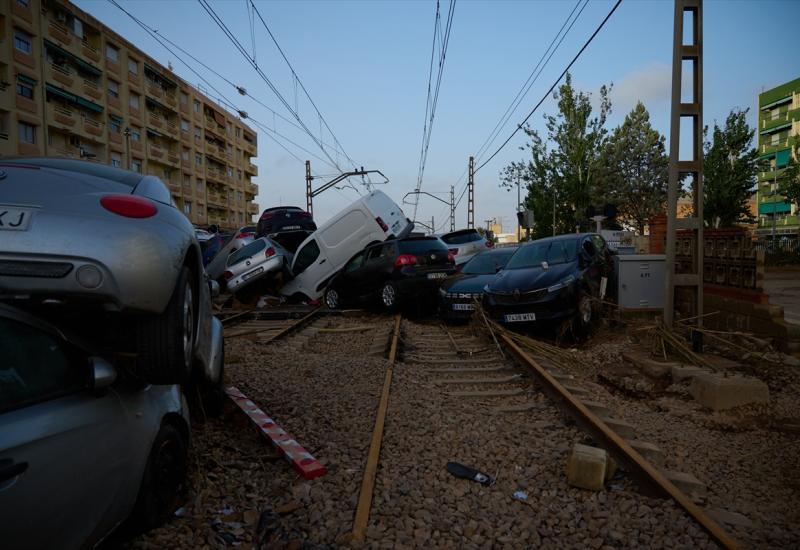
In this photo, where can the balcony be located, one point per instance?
(60, 74)
(251, 189)
(155, 120)
(156, 152)
(92, 127)
(90, 51)
(154, 90)
(172, 128)
(251, 169)
(217, 199)
(171, 100)
(59, 32)
(250, 147)
(173, 159)
(61, 117)
(252, 208)
(92, 89)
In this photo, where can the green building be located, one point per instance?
(778, 140)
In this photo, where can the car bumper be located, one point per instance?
(553, 308)
(273, 265)
(456, 308)
(421, 285)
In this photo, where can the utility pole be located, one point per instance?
(471, 195)
(489, 224)
(309, 196)
(693, 52)
(519, 209)
(433, 226)
(452, 208)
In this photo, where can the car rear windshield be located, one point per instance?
(421, 246)
(462, 237)
(552, 252)
(487, 263)
(247, 251)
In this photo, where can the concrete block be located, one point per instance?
(719, 392)
(650, 367)
(649, 451)
(687, 483)
(681, 373)
(596, 408)
(586, 467)
(622, 428)
(611, 467)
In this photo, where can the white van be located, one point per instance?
(372, 218)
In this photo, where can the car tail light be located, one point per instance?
(405, 259)
(305, 215)
(453, 251)
(129, 206)
(270, 252)
(244, 235)
(489, 244)
(267, 215)
(382, 224)
(227, 275)
(451, 258)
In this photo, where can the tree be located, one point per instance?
(635, 170)
(789, 175)
(563, 168)
(729, 172)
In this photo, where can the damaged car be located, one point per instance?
(459, 292)
(552, 280)
(391, 274)
(262, 257)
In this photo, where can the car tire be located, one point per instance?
(584, 315)
(163, 481)
(165, 343)
(332, 300)
(388, 296)
(214, 393)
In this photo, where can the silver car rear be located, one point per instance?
(261, 258)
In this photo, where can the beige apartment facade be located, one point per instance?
(72, 87)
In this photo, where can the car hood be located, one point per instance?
(531, 278)
(468, 283)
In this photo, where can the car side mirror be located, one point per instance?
(213, 287)
(103, 373)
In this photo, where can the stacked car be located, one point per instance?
(106, 253)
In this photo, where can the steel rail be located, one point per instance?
(617, 446)
(371, 469)
(282, 332)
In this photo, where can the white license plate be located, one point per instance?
(14, 219)
(253, 273)
(464, 307)
(437, 275)
(290, 227)
(517, 317)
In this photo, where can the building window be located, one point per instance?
(198, 159)
(136, 166)
(184, 98)
(77, 27)
(116, 160)
(133, 101)
(198, 132)
(185, 155)
(238, 174)
(114, 125)
(136, 134)
(238, 132)
(230, 172)
(113, 89)
(27, 133)
(133, 66)
(187, 207)
(23, 3)
(184, 126)
(24, 90)
(196, 106)
(112, 52)
(23, 41)
(199, 186)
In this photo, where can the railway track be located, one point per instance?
(500, 371)
(267, 326)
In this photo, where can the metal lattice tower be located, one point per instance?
(471, 195)
(691, 276)
(309, 178)
(452, 208)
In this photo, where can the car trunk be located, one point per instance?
(429, 253)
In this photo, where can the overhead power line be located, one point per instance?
(549, 91)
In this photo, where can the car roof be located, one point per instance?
(565, 237)
(283, 208)
(459, 232)
(94, 169)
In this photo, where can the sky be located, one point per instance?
(365, 65)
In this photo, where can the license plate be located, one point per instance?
(253, 273)
(517, 317)
(290, 227)
(14, 219)
(464, 307)
(437, 275)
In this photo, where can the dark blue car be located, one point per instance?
(458, 293)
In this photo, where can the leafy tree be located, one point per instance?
(635, 170)
(562, 170)
(790, 179)
(729, 172)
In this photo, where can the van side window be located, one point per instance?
(305, 257)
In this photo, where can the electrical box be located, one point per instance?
(640, 281)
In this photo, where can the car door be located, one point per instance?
(346, 281)
(374, 272)
(310, 268)
(65, 453)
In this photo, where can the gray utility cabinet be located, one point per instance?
(640, 281)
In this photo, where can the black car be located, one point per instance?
(458, 293)
(284, 218)
(551, 280)
(392, 273)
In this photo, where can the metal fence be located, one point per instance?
(779, 250)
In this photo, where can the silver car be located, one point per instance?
(81, 448)
(82, 237)
(464, 244)
(240, 239)
(258, 259)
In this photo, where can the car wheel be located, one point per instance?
(165, 343)
(583, 316)
(163, 481)
(389, 296)
(332, 298)
(214, 393)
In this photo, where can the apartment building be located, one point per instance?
(778, 139)
(72, 87)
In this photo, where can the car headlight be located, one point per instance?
(442, 292)
(486, 287)
(561, 284)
